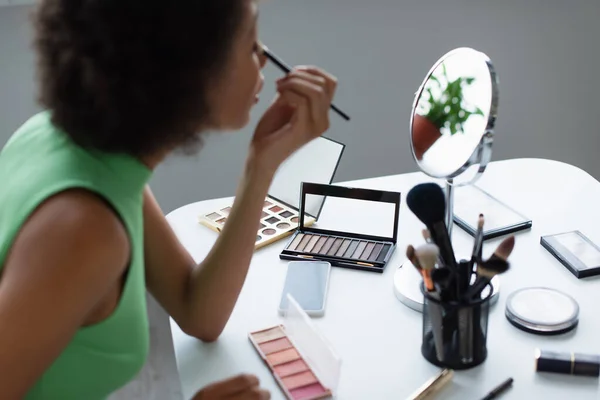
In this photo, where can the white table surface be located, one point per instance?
(377, 337)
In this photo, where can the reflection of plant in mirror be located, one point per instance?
(447, 109)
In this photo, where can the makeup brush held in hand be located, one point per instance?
(286, 69)
(428, 202)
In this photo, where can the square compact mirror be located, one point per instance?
(317, 161)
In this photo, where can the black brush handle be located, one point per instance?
(464, 276)
(439, 235)
(475, 290)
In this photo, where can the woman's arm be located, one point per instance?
(69, 254)
(201, 297)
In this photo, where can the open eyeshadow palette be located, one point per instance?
(292, 372)
(277, 221)
(317, 162)
(341, 248)
(301, 361)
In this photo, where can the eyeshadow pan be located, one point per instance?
(226, 210)
(269, 231)
(359, 249)
(302, 244)
(267, 204)
(283, 357)
(308, 392)
(383, 252)
(375, 252)
(290, 368)
(268, 335)
(276, 209)
(261, 226)
(368, 250)
(286, 214)
(335, 247)
(296, 241)
(295, 220)
(327, 245)
(320, 244)
(264, 214)
(351, 249)
(272, 220)
(283, 225)
(213, 216)
(343, 248)
(299, 380)
(258, 237)
(311, 244)
(275, 345)
(221, 221)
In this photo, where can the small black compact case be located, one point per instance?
(575, 251)
(343, 249)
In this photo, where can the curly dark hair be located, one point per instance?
(132, 75)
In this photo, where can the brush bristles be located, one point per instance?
(491, 268)
(505, 248)
(428, 202)
(428, 255)
(426, 235)
(410, 254)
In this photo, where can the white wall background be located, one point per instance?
(545, 51)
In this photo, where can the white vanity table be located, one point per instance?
(378, 337)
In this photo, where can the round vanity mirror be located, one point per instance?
(453, 117)
(451, 137)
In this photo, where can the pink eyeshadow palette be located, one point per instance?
(291, 371)
(277, 221)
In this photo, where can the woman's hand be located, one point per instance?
(241, 387)
(299, 114)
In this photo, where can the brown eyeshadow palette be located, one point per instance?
(316, 161)
(344, 249)
(277, 221)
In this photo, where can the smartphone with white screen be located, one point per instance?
(307, 282)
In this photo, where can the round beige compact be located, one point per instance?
(542, 310)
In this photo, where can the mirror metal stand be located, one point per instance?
(449, 207)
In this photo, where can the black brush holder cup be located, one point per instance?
(455, 332)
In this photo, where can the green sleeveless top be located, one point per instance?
(37, 162)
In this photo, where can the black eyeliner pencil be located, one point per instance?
(499, 390)
(286, 68)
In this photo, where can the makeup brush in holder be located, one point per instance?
(456, 306)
